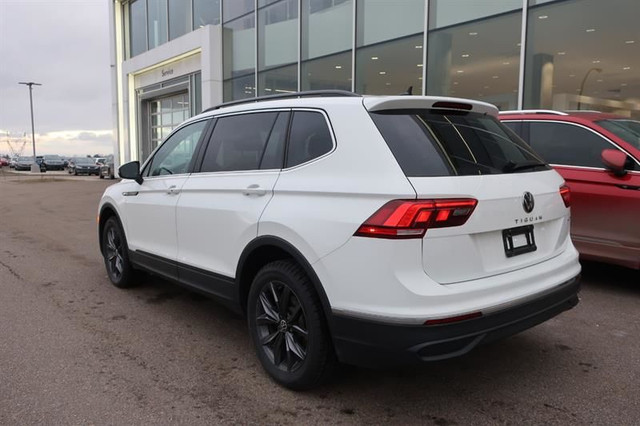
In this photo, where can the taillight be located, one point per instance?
(449, 320)
(565, 193)
(401, 219)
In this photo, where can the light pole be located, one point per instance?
(34, 167)
(584, 80)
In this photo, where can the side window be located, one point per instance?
(174, 156)
(514, 126)
(273, 156)
(238, 142)
(309, 138)
(567, 144)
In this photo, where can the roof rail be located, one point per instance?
(534, 111)
(306, 94)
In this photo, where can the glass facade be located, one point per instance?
(157, 28)
(179, 18)
(560, 54)
(474, 50)
(586, 63)
(278, 47)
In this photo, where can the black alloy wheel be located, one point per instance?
(288, 327)
(281, 326)
(114, 251)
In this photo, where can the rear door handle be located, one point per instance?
(172, 190)
(254, 189)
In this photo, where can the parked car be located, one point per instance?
(100, 161)
(3, 162)
(599, 157)
(106, 171)
(371, 230)
(83, 165)
(12, 162)
(23, 163)
(53, 162)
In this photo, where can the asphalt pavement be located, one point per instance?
(76, 350)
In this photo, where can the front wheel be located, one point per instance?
(288, 327)
(116, 258)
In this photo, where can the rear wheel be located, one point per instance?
(114, 251)
(288, 327)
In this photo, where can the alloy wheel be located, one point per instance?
(281, 326)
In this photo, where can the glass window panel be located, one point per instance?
(137, 27)
(239, 88)
(237, 142)
(179, 18)
(390, 68)
(317, 16)
(206, 12)
(239, 47)
(278, 34)
(478, 59)
(232, 9)
(381, 20)
(309, 138)
(197, 93)
(586, 63)
(279, 80)
(444, 13)
(330, 72)
(567, 144)
(175, 154)
(273, 157)
(157, 22)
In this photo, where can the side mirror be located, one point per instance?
(615, 161)
(131, 170)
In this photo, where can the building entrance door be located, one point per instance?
(163, 115)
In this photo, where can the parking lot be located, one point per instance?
(76, 350)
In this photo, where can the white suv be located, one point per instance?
(371, 230)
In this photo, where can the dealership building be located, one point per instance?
(173, 58)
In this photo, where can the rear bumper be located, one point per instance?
(374, 344)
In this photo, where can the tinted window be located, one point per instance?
(174, 156)
(627, 130)
(567, 144)
(442, 143)
(309, 138)
(238, 142)
(273, 156)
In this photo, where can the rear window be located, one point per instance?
(445, 143)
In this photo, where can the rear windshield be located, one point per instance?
(628, 130)
(444, 143)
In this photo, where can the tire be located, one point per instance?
(75, 173)
(101, 177)
(288, 327)
(115, 254)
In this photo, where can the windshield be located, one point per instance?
(628, 130)
(25, 158)
(444, 142)
(52, 157)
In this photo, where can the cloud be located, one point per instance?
(64, 142)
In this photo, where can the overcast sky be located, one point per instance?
(64, 45)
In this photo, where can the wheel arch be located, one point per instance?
(107, 211)
(264, 250)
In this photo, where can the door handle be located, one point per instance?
(254, 189)
(172, 190)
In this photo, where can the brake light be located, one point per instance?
(565, 193)
(401, 219)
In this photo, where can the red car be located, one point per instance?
(598, 155)
(3, 162)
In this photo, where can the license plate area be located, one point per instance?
(518, 240)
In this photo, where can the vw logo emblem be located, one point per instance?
(527, 202)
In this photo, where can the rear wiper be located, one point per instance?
(514, 167)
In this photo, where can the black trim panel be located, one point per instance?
(374, 344)
(216, 286)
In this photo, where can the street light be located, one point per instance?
(584, 80)
(34, 167)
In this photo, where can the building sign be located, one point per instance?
(167, 72)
